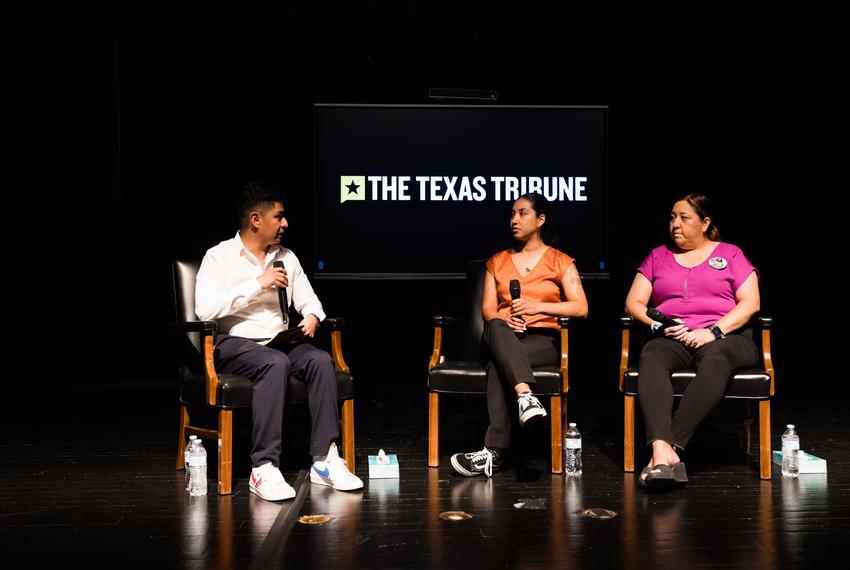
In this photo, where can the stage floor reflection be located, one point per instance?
(110, 498)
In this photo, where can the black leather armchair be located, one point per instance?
(202, 387)
(748, 385)
(467, 375)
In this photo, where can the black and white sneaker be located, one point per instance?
(530, 408)
(483, 462)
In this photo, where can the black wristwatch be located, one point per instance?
(715, 330)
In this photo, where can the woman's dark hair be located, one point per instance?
(702, 206)
(541, 206)
(256, 197)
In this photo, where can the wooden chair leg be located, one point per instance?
(629, 433)
(557, 434)
(225, 452)
(764, 439)
(348, 433)
(181, 438)
(433, 429)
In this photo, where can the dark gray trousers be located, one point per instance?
(511, 359)
(269, 370)
(714, 364)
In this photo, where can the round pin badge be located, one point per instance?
(718, 263)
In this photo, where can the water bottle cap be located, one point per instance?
(572, 424)
(191, 437)
(790, 426)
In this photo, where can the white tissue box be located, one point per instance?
(383, 470)
(808, 463)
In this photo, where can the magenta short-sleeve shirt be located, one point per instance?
(699, 295)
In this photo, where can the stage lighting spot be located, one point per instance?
(315, 519)
(599, 513)
(533, 504)
(455, 516)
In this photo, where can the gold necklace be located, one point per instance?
(525, 263)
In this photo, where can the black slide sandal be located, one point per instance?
(679, 473)
(657, 477)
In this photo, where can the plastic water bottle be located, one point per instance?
(572, 448)
(198, 469)
(192, 439)
(790, 452)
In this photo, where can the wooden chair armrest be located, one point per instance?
(336, 324)
(207, 329)
(440, 321)
(564, 323)
(565, 356)
(766, 323)
(210, 376)
(626, 323)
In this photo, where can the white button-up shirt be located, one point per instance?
(227, 290)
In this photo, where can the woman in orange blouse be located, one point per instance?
(522, 332)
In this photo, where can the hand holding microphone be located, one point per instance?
(274, 276)
(660, 317)
(670, 327)
(281, 293)
(515, 295)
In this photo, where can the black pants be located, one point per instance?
(511, 359)
(714, 364)
(269, 370)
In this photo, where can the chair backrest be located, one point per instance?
(184, 272)
(471, 345)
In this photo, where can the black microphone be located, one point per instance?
(281, 297)
(515, 292)
(660, 317)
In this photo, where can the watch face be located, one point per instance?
(715, 330)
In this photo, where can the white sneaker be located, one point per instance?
(333, 473)
(530, 408)
(268, 483)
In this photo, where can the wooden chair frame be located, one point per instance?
(223, 435)
(764, 405)
(558, 403)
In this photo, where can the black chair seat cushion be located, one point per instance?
(751, 384)
(235, 391)
(469, 377)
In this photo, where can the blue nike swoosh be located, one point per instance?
(324, 472)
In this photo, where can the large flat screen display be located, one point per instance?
(414, 192)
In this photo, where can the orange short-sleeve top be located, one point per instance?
(542, 283)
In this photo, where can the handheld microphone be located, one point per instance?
(281, 297)
(515, 292)
(660, 317)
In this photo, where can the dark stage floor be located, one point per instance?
(90, 483)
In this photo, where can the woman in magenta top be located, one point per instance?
(711, 289)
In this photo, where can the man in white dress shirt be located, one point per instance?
(237, 285)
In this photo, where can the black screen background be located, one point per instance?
(403, 237)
